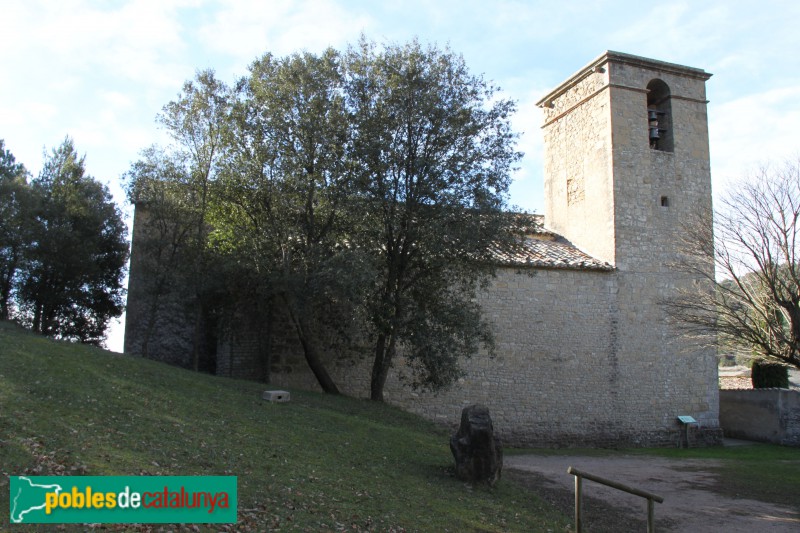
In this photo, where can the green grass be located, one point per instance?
(317, 463)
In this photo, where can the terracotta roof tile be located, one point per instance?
(544, 249)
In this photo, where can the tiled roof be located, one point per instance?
(544, 249)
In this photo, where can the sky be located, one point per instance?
(100, 71)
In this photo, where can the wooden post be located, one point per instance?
(578, 518)
(651, 521)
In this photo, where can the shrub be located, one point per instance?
(767, 375)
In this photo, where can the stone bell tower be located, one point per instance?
(626, 157)
(626, 162)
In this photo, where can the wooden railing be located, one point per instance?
(579, 475)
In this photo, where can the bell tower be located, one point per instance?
(626, 163)
(626, 156)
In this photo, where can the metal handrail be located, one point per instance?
(616, 485)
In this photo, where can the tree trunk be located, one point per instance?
(37, 317)
(376, 383)
(5, 291)
(198, 322)
(381, 366)
(313, 359)
(385, 346)
(4, 306)
(315, 364)
(48, 316)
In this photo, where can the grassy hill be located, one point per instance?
(317, 463)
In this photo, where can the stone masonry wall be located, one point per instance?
(557, 380)
(767, 415)
(648, 245)
(158, 323)
(243, 349)
(596, 131)
(578, 186)
(545, 386)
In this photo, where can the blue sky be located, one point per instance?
(100, 71)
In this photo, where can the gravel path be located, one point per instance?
(687, 486)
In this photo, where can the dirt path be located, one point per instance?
(687, 486)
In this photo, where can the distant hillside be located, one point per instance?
(317, 463)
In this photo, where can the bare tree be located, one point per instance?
(751, 297)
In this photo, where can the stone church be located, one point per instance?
(586, 354)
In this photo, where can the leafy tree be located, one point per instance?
(356, 191)
(754, 249)
(434, 150)
(198, 123)
(72, 283)
(16, 204)
(286, 192)
(9, 168)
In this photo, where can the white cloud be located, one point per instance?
(528, 187)
(80, 40)
(117, 99)
(97, 71)
(752, 130)
(244, 30)
(674, 31)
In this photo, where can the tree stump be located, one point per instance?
(478, 453)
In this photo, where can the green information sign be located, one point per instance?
(122, 499)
